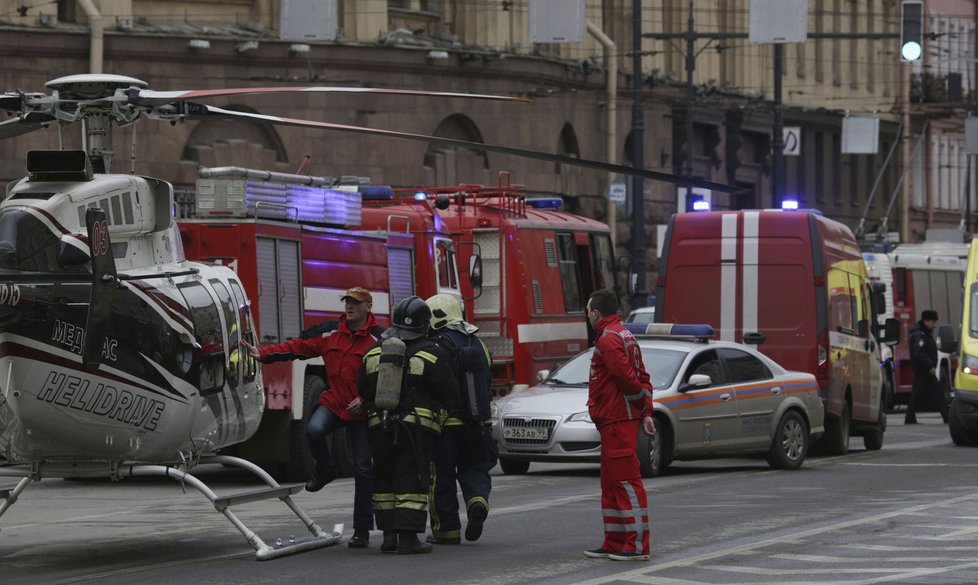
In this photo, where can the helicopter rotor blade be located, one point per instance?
(151, 97)
(24, 124)
(197, 111)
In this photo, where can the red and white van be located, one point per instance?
(795, 284)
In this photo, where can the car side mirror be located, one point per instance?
(945, 335)
(543, 375)
(475, 270)
(891, 332)
(696, 381)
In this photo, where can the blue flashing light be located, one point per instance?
(420, 195)
(375, 192)
(701, 205)
(789, 204)
(671, 330)
(545, 202)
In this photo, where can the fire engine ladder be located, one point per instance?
(223, 504)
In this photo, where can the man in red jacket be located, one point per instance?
(342, 345)
(619, 400)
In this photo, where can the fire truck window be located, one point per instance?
(208, 333)
(743, 367)
(569, 277)
(445, 261)
(604, 265)
(840, 301)
(859, 310)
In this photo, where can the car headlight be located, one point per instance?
(494, 412)
(969, 364)
(580, 417)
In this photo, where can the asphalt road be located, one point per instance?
(905, 514)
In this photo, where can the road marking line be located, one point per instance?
(697, 559)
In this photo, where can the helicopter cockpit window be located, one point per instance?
(28, 244)
(209, 358)
(231, 319)
(249, 365)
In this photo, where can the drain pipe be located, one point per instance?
(96, 41)
(611, 112)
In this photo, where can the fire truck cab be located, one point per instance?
(529, 270)
(795, 284)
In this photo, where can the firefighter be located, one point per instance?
(619, 400)
(405, 379)
(342, 344)
(923, 361)
(466, 451)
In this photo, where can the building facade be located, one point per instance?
(484, 47)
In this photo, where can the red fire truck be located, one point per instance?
(298, 243)
(929, 275)
(530, 268)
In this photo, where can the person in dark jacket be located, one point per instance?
(342, 344)
(923, 362)
(466, 451)
(405, 380)
(619, 400)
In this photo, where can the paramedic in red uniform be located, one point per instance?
(619, 400)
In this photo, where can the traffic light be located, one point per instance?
(911, 30)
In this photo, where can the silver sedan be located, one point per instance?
(711, 398)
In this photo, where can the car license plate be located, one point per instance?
(537, 433)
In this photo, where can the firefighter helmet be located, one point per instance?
(411, 318)
(445, 311)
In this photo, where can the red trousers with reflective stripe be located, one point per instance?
(624, 504)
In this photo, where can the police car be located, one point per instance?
(711, 398)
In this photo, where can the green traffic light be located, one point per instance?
(911, 51)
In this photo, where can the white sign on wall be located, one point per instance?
(778, 21)
(791, 140)
(557, 21)
(307, 20)
(860, 135)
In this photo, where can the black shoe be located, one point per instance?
(477, 517)
(390, 542)
(910, 421)
(443, 539)
(321, 479)
(361, 538)
(408, 544)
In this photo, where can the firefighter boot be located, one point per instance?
(390, 542)
(408, 544)
(477, 517)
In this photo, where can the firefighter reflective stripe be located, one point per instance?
(476, 500)
(427, 356)
(383, 501)
(372, 360)
(420, 416)
(411, 501)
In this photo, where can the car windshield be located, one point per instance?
(661, 364)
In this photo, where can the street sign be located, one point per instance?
(778, 21)
(617, 192)
(971, 135)
(557, 21)
(860, 134)
(791, 139)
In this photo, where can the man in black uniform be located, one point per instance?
(405, 380)
(466, 451)
(923, 361)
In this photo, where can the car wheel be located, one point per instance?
(653, 455)
(513, 466)
(959, 434)
(873, 441)
(836, 438)
(791, 442)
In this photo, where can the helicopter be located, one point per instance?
(118, 357)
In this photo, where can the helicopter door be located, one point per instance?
(249, 365)
(232, 392)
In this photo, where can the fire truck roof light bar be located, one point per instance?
(545, 202)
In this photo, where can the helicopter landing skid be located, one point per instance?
(223, 504)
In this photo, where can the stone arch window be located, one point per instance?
(241, 143)
(567, 145)
(449, 165)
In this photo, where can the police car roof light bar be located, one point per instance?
(671, 330)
